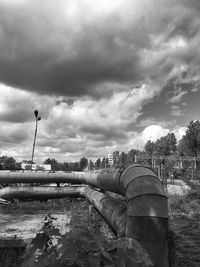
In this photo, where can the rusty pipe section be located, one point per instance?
(111, 209)
(147, 211)
(39, 192)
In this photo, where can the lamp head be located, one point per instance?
(36, 113)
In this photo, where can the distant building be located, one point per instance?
(110, 159)
(36, 167)
(113, 158)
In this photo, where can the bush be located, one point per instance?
(79, 249)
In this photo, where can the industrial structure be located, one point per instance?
(143, 215)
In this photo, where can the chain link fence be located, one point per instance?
(171, 168)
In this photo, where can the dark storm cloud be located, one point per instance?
(68, 48)
(42, 52)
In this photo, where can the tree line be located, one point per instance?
(165, 146)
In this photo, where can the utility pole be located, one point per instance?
(37, 119)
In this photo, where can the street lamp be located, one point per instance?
(34, 140)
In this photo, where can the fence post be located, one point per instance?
(195, 168)
(159, 171)
(181, 163)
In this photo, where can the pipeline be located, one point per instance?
(39, 192)
(147, 211)
(111, 209)
(39, 177)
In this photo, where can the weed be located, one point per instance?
(185, 224)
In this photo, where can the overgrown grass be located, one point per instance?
(184, 222)
(51, 204)
(83, 218)
(11, 257)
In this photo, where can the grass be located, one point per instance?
(11, 257)
(51, 204)
(184, 223)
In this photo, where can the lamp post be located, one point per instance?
(37, 119)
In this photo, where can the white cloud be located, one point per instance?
(80, 126)
(179, 132)
(177, 111)
(117, 112)
(195, 89)
(17, 105)
(153, 132)
(177, 98)
(177, 43)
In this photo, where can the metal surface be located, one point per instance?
(39, 177)
(3, 202)
(39, 192)
(111, 209)
(147, 212)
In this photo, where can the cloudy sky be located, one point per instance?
(105, 75)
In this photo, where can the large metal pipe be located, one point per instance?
(39, 192)
(111, 209)
(39, 177)
(147, 211)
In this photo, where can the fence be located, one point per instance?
(172, 167)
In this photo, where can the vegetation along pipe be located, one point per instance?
(147, 211)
